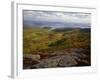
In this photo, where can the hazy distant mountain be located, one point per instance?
(71, 29)
(55, 24)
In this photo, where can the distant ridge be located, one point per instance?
(55, 24)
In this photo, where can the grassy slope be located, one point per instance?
(42, 40)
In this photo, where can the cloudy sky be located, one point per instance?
(56, 16)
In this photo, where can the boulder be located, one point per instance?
(32, 56)
(67, 61)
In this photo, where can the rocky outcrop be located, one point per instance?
(56, 61)
(76, 57)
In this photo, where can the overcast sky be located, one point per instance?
(51, 16)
